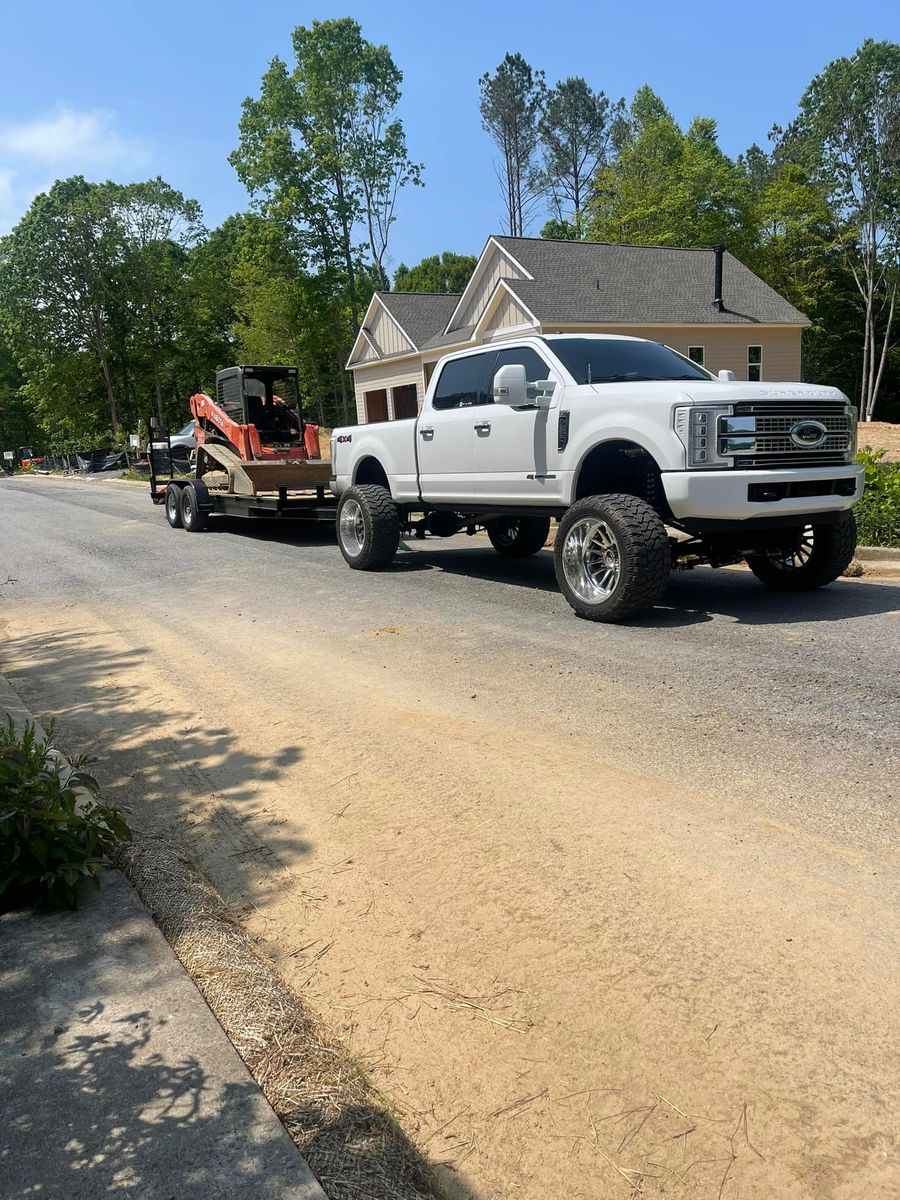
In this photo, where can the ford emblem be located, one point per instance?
(808, 434)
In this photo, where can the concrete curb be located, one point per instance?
(107, 997)
(879, 560)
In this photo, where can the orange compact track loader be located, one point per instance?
(256, 455)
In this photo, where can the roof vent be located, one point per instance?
(718, 303)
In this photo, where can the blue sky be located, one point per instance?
(133, 88)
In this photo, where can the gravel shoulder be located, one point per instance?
(586, 901)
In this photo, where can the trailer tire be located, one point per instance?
(173, 505)
(518, 537)
(821, 554)
(368, 527)
(612, 557)
(195, 506)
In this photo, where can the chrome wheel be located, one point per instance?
(591, 560)
(352, 527)
(172, 507)
(799, 556)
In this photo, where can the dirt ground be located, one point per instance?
(881, 435)
(605, 912)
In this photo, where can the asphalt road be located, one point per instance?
(600, 906)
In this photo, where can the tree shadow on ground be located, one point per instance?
(176, 774)
(99, 1096)
(197, 784)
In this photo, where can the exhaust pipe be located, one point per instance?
(718, 303)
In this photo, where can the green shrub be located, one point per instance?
(53, 830)
(878, 512)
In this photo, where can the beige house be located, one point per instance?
(704, 303)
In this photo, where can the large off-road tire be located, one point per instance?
(817, 555)
(173, 505)
(612, 557)
(518, 537)
(194, 506)
(368, 527)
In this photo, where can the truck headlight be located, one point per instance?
(696, 427)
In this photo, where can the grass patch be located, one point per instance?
(878, 512)
(54, 832)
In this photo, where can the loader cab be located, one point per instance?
(247, 394)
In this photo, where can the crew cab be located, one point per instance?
(645, 459)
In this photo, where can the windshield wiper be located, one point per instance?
(626, 378)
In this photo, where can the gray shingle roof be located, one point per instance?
(421, 314)
(448, 339)
(599, 281)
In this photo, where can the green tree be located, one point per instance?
(796, 235)
(159, 228)
(60, 277)
(17, 426)
(672, 188)
(578, 127)
(561, 231)
(321, 150)
(284, 314)
(800, 253)
(511, 102)
(848, 130)
(446, 272)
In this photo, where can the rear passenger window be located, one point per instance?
(462, 383)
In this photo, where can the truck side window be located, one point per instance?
(535, 367)
(463, 382)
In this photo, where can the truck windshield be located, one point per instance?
(617, 360)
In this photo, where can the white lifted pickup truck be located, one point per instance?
(646, 460)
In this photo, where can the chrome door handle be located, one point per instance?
(427, 432)
(483, 427)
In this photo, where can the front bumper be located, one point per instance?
(725, 495)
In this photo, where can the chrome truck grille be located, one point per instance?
(788, 433)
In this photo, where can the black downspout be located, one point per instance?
(718, 303)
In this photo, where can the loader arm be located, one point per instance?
(283, 440)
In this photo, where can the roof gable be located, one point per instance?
(495, 262)
(594, 282)
(421, 314)
(399, 323)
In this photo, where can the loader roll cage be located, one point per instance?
(255, 455)
(247, 395)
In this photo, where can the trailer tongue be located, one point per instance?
(256, 456)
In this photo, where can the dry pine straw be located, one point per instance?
(337, 1119)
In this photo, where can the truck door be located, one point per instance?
(445, 437)
(513, 455)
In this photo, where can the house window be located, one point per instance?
(376, 405)
(697, 354)
(754, 363)
(405, 400)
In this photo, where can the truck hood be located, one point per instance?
(716, 392)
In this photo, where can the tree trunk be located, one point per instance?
(885, 346)
(347, 253)
(342, 375)
(110, 395)
(158, 388)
